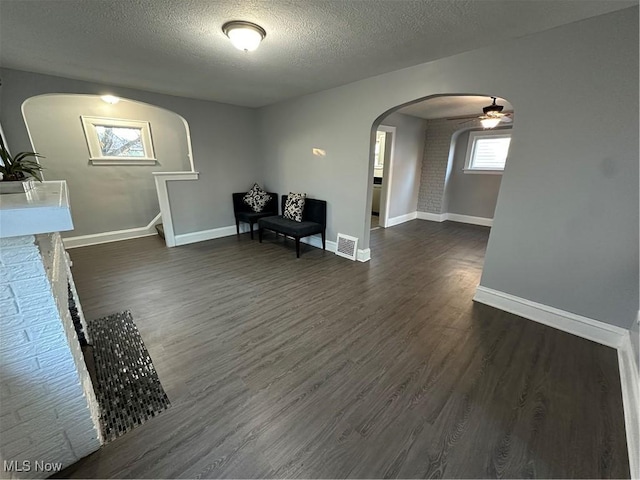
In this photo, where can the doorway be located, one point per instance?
(426, 171)
(382, 172)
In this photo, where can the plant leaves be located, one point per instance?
(21, 163)
(23, 155)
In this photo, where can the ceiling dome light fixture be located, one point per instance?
(244, 35)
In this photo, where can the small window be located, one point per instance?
(114, 141)
(487, 152)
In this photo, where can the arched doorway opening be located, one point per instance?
(438, 165)
(108, 150)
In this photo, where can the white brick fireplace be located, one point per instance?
(48, 411)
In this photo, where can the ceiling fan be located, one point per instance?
(492, 115)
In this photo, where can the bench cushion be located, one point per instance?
(252, 217)
(290, 227)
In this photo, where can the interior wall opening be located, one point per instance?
(106, 149)
(448, 155)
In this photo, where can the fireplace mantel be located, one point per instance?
(43, 209)
(48, 411)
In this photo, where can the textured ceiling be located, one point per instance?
(452, 106)
(177, 46)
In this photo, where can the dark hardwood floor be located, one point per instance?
(320, 367)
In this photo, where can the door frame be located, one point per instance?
(387, 173)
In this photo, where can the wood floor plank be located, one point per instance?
(319, 367)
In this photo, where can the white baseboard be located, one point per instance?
(630, 383)
(584, 327)
(314, 241)
(113, 236)
(401, 219)
(432, 217)
(203, 235)
(455, 217)
(603, 333)
(364, 255)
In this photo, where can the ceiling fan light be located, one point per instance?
(244, 35)
(110, 99)
(490, 122)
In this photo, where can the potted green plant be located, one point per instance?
(18, 171)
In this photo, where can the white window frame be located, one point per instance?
(95, 152)
(475, 135)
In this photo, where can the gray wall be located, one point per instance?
(565, 232)
(407, 163)
(469, 194)
(104, 198)
(225, 151)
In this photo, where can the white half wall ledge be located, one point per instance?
(43, 209)
(161, 179)
(113, 236)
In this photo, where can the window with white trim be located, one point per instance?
(487, 151)
(114, 141)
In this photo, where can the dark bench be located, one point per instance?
(244, 213)
(314, 220)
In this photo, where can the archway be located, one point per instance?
(428, 177)
(113, 197)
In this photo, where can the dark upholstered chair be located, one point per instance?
(314, 220)
(244, 213)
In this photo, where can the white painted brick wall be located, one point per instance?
(434, 164)
(48, 410)
(439, 132)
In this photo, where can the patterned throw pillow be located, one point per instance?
(294, 206)
(256, 198)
